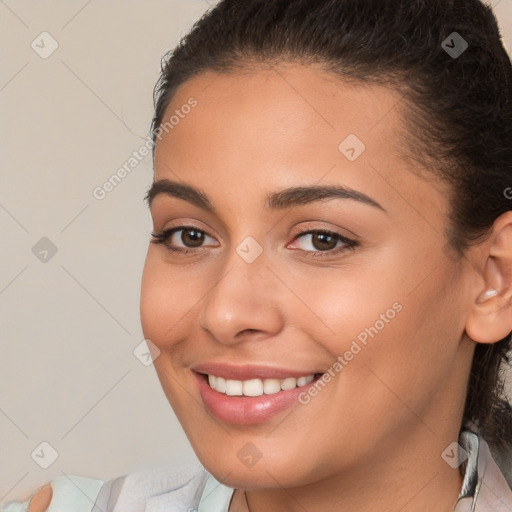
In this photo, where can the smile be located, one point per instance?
(252, 400)
(256, 387)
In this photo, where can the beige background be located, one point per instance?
(70, 324)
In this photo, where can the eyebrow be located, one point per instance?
(279, 200)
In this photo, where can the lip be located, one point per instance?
(247, 410)
(250, 371)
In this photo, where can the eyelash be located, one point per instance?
(163, 236)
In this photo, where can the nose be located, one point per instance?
(244, 302)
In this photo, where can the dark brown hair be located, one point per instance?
(457, 108)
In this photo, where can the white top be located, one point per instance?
(192, 489)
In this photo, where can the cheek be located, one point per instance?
(160, 300)
(341, 304)
(410, 354)
(395, 318)
(171, 298)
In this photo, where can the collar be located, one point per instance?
(484, 487)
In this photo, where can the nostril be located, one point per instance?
(247, 331)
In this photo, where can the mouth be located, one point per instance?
(251, 401)
(251, 393)
(257, 387)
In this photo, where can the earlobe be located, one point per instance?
(490, 318)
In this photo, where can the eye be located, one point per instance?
(191, 237)
(325, 243)
(319, 242)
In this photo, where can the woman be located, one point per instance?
(329, 280)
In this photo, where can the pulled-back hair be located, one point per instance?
(457, 109)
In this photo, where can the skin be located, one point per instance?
(373, 438)
(41, 500)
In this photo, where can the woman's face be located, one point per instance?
(376, 304)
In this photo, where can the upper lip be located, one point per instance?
(249, 371)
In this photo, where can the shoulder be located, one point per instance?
(158, 488)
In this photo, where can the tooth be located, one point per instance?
(288, 383)
(271, 386)
(220, 384)
(253, 387)
(256, 387)
(234, 387)
(301, 381)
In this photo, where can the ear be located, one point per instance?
(490, 316)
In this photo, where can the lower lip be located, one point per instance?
(247, 410)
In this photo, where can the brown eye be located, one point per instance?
(192, 237)
(324, 243)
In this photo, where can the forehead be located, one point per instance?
(290, 98)
(272, 127)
